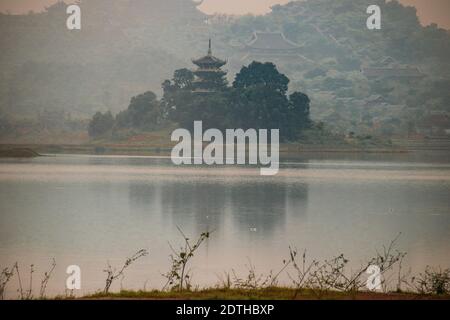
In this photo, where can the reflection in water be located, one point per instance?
(201, 204)
(87, 210)
(204, 203)
(259, 207)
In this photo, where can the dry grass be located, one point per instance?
(271, 293)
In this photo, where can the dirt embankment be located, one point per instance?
(18, 153)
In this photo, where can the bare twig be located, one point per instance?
(47, 276)
(5, 277)
(113, 275)
(179, 277)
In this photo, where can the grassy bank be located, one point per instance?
(310, 279)
(273, 293)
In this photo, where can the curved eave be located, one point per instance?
(209, 61)
(254, 42)
(209, 71)
(296, 49)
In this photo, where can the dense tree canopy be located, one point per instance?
(261, 74)
(101, 124)
(143, 113)
(258, 99)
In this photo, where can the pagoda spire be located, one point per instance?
(209, 77)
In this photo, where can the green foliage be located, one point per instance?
(308, 278)
(299, 111)
(183, 78)
(179, 278)
(5, 276)
(261, 74)
(264, 294)
(113, 275)
(101, 124)
(334, 37)
(432, 281)
(143, 113)
(258, 99)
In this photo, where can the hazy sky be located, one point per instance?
(437, 11)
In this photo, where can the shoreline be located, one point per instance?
(272, 293)
(18, 152)
(108, 149)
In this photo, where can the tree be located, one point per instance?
(265, 74)
(299, 112)
(177, 94)
(101, 124)
(144, 113)
(257, 100)
(300, 105)
(259, 97)
(182, 78)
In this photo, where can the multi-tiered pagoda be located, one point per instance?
(209, 77)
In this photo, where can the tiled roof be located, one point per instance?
(271, 40)
(209, 59)
(409, 72)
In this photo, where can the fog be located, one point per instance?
(430, 11)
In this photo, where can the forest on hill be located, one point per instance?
(54, 79)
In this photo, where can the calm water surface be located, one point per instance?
(88, 210)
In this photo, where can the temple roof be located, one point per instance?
(397, 72)
(198, 3)
(271, 40)
(209, 59)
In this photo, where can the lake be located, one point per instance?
(90, 210)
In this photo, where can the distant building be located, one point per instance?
(268, 46)
(388, 62)
(374, 100)
(392, 73)
(209, 77)
(436, 124)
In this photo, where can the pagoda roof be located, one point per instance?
(209, 59)
(216, 70)
(271, 40)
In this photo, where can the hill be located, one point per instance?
(53, 75)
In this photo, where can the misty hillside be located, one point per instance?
(124, 48)
(128, 47)
(336, 46)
